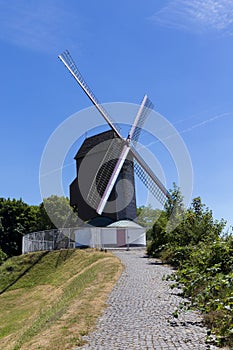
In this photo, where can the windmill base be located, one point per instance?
(117, 235)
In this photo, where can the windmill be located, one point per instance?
(117, 156)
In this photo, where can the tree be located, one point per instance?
(174, 208)
(146, 216)
(57, 210)
(16, 219)
(199, 224)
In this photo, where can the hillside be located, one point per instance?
(50, 299)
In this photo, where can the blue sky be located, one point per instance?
(178, 52)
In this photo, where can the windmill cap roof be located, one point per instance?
(125, 223)
(92, 141)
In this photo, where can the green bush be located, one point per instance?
(203, 258)
(207, 279)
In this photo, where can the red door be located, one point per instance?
(121, 241)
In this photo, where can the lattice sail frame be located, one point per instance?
(68, 61)
(149, 183)
(143, 112)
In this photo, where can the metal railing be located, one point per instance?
(48, 240)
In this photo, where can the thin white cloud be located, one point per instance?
(197, 15)
(189, 129)
(43, 25)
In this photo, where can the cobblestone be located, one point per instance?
(140, 310)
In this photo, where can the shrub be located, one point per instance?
(203, 257)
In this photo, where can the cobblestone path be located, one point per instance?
(139, 315)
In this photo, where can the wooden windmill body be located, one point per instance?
(120, 192)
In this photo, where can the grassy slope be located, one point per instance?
(50, 299)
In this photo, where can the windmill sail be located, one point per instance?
(68, 61)
(149, 179)
(143, 112)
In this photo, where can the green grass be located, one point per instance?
(30, 270)
(63, 291)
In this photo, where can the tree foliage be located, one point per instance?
(146, 216)
(16, 219)
(58, 209)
